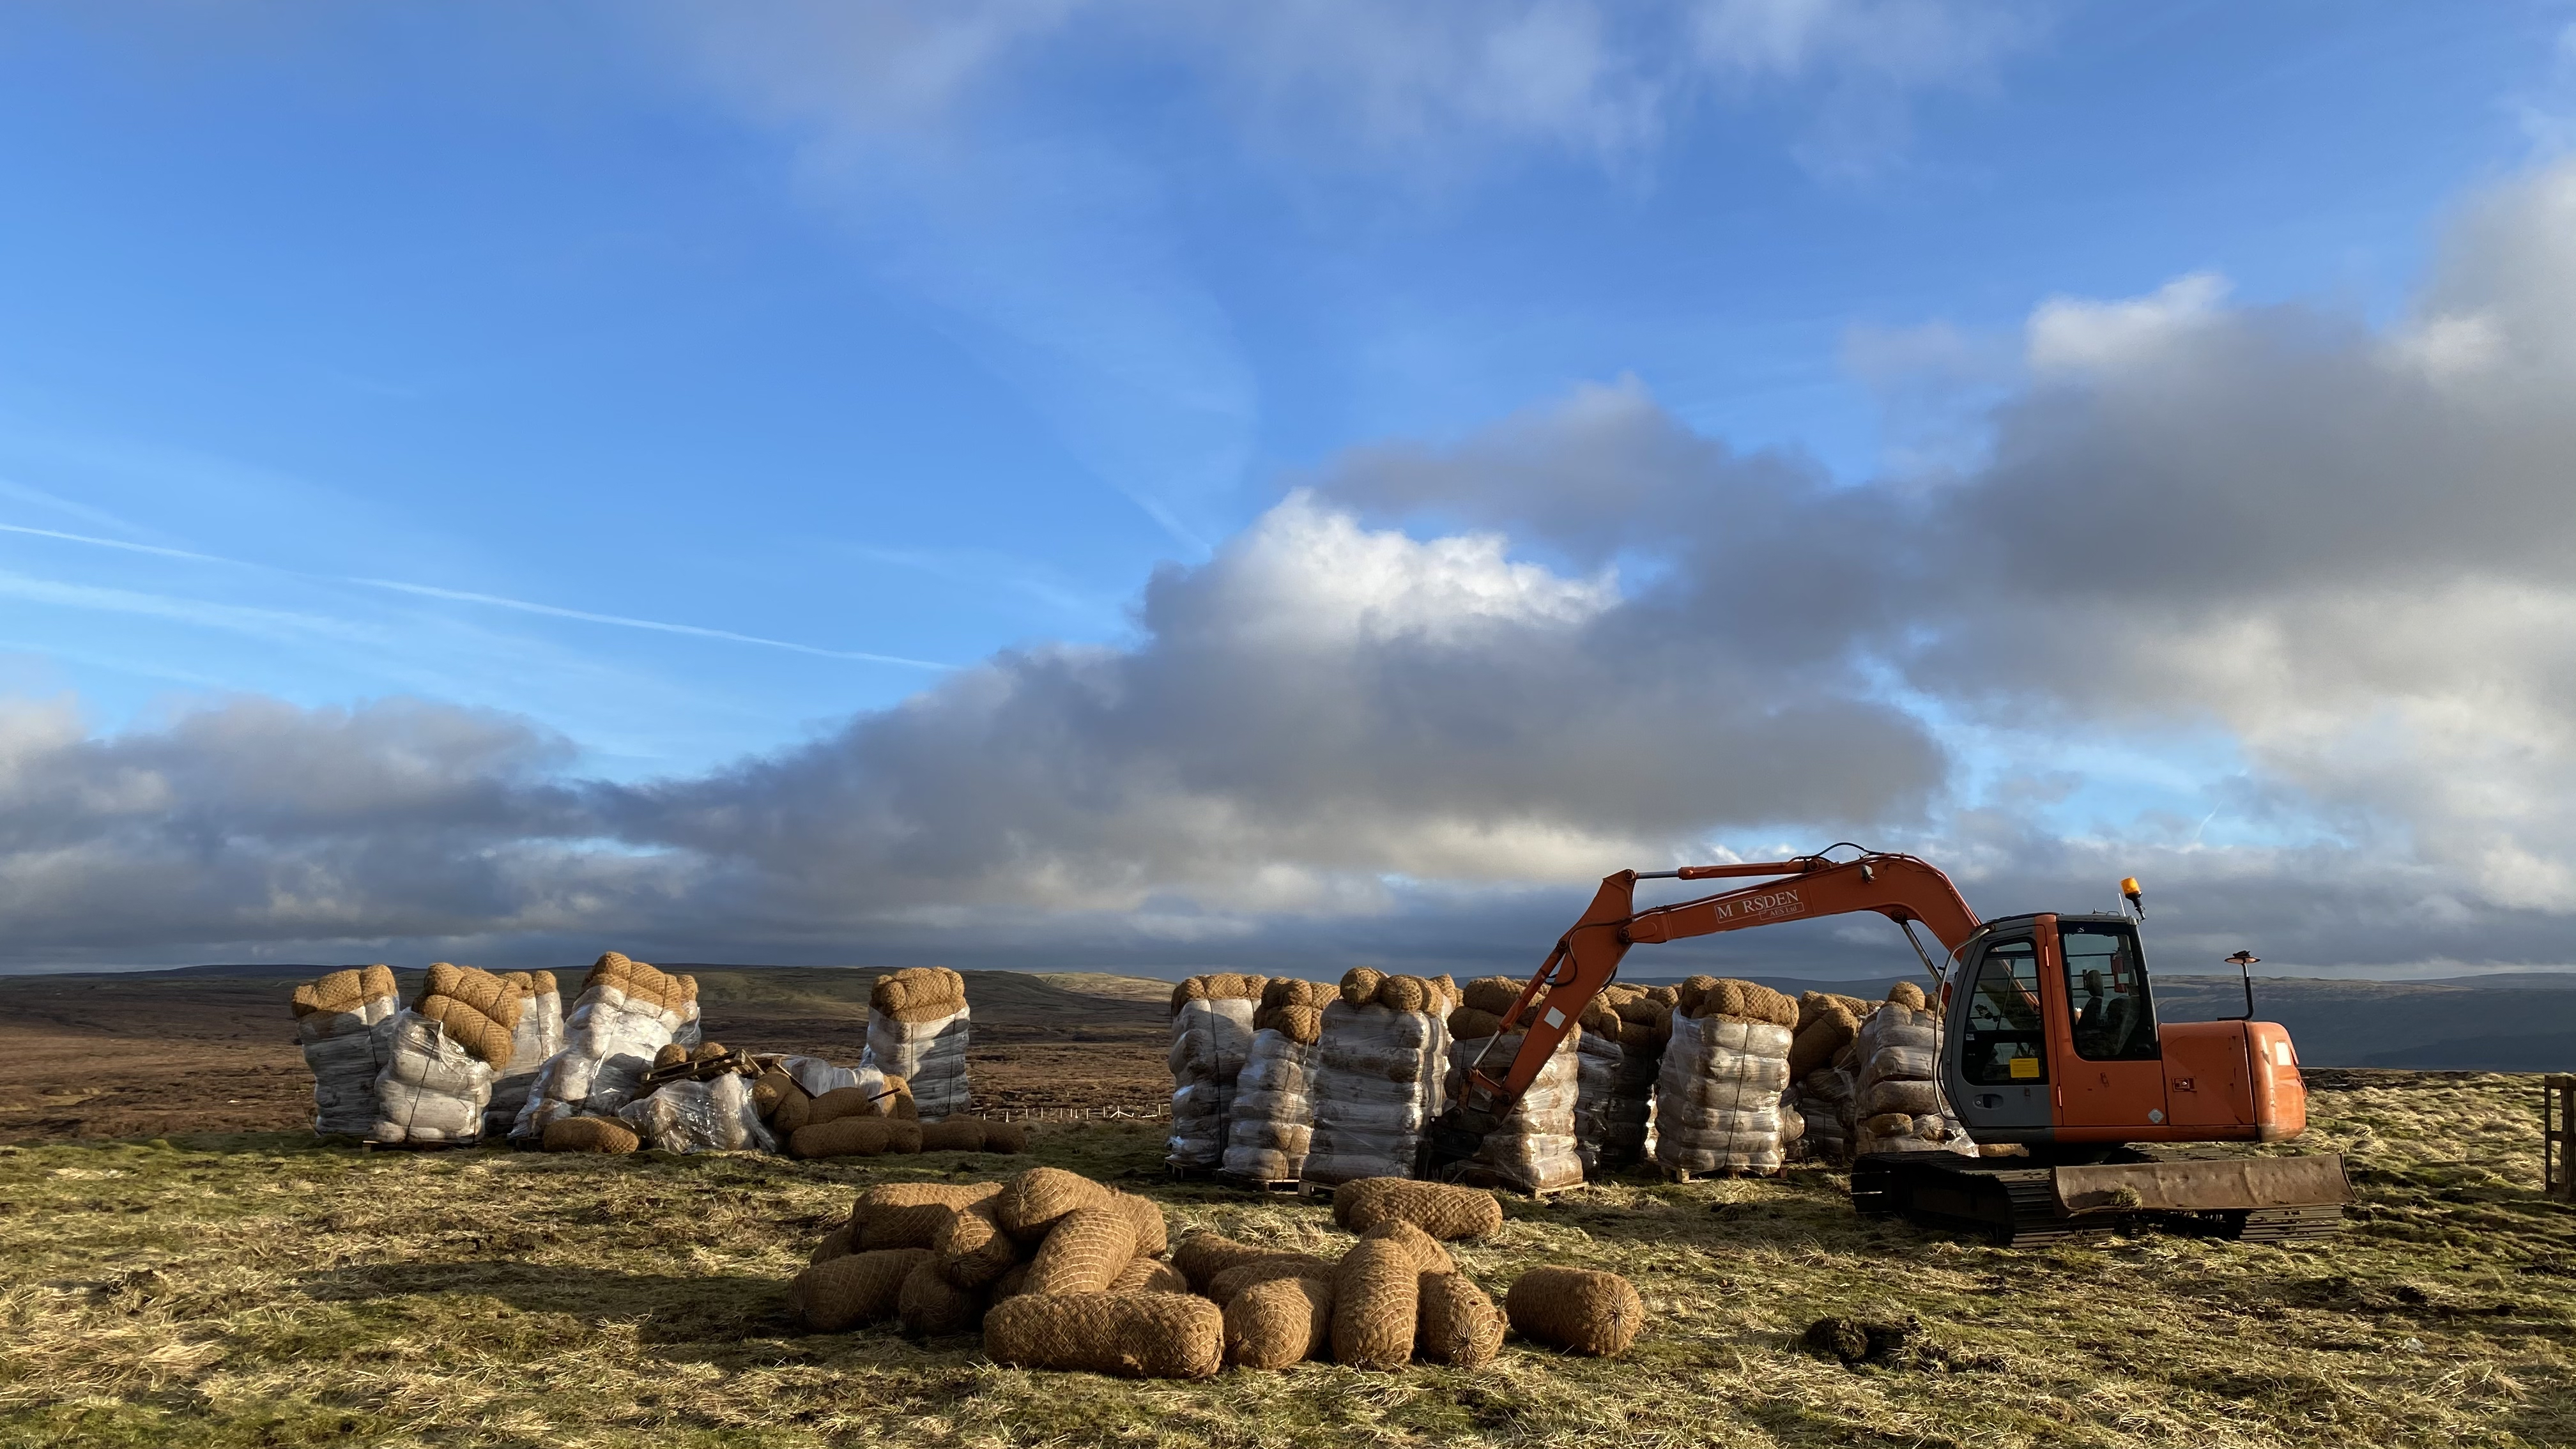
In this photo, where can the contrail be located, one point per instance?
(524, 606)
(495, 600)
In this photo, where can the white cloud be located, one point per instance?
(2071, 334)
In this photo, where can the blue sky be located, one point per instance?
(682, 387)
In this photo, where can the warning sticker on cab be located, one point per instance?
(2025, 1069)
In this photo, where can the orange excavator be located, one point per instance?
(2049, 1043)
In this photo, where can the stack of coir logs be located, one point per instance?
(1065, 1273)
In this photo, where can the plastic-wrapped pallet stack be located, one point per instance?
(627, 1012)
(1534, 1150)
(1376, 1078)
(917, 1028)
(339, 1019)
(1896, 1084)
(1272, 1121)
(538, 1036)
(1597, 1059)
(441, 1055)
(1820, 1084)
(1211, 1040)
(1717, 1102)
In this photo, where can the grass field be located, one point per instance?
(259, 1290)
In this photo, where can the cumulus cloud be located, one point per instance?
(1435, 689)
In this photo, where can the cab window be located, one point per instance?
(2106, 988)
(2004, 1044)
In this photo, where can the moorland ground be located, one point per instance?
(257, 1288)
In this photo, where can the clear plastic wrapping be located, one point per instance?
(539, 1035)
(1376, 1086)
(710, 1116)
(609, 1043)
(1211, 1041)
(1534, 1149)
(1273, 1120)
(1896, 1102)
(1717, 1099)
(431, 1089)
(346, 1051)
(929, 1055)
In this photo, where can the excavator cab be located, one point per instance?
(2052, 1041)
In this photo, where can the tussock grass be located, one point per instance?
(260, 1290)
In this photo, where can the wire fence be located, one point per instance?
(1123, 1112)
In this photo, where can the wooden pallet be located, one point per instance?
(1277, 1186)
(1721, 1174)
(2558, 1137)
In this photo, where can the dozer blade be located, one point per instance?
(2204, 1184)
(2019, 1204)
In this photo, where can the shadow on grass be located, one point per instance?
(711, 1312)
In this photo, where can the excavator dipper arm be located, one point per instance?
(1899, 887)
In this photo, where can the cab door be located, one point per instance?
(2105, 1053)
(1996, 1076)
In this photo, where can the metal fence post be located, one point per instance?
(2558, 1137)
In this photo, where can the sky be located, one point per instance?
(1123, 484)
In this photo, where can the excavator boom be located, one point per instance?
(1899, 887)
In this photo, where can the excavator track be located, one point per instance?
(2017, 1204)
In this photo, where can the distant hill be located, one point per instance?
(2518, 1021)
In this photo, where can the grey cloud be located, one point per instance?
(2342, 548)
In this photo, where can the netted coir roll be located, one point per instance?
(914, 1214)
(627, 1012)
(1376, 1294)
(1279, 1321)
(1717, 1101)
(1226, 1286)
(840, 1242)
(1211, 1040)
(842, 1137)
(340, 1020)
(1456, 1322)
(1272, 1117)
(1202, 1255)
(843, 1293)
(1085, 1250)
(1375, 1078)
(1031, 1202)
(1534, 1147)
(918, 1025)
(974, 1134)
(590, 1134)
(929, 1306)
(1149, 1275)
(1446, 1211)
(1132, 1335)
(1422, 1248)
(973, 1250)
(1576, 1309)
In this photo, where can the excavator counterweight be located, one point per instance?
(2050, 1045)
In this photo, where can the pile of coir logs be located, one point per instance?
(1065, 1273)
